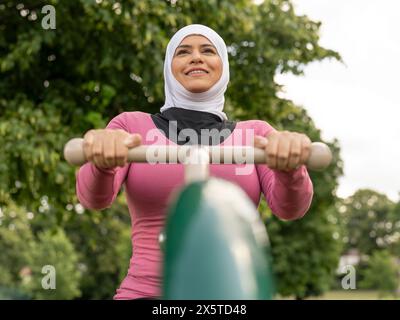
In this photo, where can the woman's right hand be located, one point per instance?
(108, 148)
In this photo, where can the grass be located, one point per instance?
(353, 295)
(350, 295)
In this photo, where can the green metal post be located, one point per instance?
(216, 246)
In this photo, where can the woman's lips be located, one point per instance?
(197, 74)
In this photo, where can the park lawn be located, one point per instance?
(345, 295)
(349, 295)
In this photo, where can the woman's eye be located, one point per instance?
(185, 51)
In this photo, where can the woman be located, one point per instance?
(196, 74)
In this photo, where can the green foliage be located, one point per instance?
(306, 252)
(104, 242)
(381, 273)
(55, 250)
(105, 58)
(24, 254)
(31, 137)
(370, 222)
(16, 243)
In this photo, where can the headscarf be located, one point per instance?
(176, 96)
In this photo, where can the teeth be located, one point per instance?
(197, 71)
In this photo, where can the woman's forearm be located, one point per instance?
(289, 194)
(95, 187)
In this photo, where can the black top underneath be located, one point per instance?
(195, 120)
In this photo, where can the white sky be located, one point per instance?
(357, 102)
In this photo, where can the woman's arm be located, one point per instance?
(97, 187)
(288, 194)
(288, 190)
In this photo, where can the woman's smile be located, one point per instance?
(197, 73)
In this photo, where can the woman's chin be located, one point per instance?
(197, 89)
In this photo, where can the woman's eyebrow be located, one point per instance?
(189, 46)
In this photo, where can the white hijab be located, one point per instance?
(176, 95)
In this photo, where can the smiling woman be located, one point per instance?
(196, 64)
(196, 47)
(196, 74)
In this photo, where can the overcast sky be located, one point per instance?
(356, 102)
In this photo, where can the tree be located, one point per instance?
(368, 224)
(105, 57)
(395, 217)
(24, 255)
(306, 252)
(104, 242)
(16, 247)
(369, 221)
(54, 273)
(381, 273)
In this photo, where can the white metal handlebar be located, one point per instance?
(320, 156)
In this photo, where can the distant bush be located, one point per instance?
(381, 274)
(23, 256)
(53, 249)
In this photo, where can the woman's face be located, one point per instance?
(196, 53)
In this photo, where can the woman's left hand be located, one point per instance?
(285, 150)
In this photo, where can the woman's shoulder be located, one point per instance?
(132, 115)
(261, 127)
(131, 120)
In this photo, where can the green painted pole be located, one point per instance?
(216, 246)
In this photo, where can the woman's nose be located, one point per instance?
(196, 56)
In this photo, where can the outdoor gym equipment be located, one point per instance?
(215, 244)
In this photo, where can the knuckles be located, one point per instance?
(282, 157)
(87, 144)
(109, 157)
(95, 142)
(293, 159)
(96, 152)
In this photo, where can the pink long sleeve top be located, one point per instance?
(148, 189)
